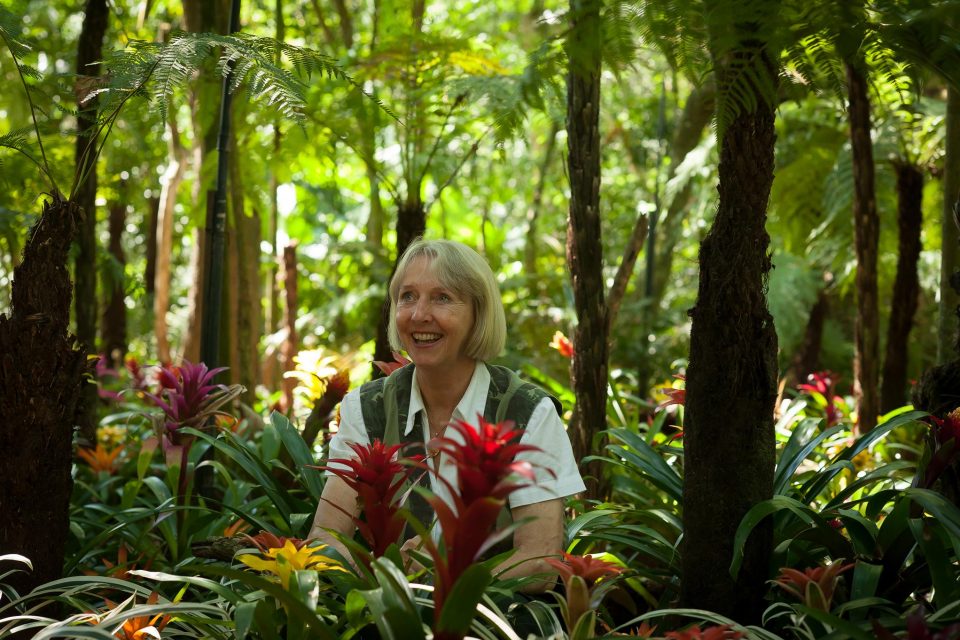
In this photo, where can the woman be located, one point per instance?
(446, 313)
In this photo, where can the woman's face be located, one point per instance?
(432, 320)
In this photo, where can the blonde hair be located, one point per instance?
(466, 273)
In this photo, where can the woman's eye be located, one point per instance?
(406, 296)
(444, 298)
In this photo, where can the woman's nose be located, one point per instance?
(421, 311)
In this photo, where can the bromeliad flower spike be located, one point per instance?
(487, 473)
(188, 398)
(377, 475)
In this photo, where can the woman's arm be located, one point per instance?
(541, 537)
(336, 493)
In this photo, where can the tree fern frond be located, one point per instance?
(618, 25)
(16, 139)
(927, 37)
(11, 25)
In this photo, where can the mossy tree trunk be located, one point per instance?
(729, 445)
(906, 287)
(113, 321)
(866, 223)
(89, 54)
(584, 247)
(41, 378)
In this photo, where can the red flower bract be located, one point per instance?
(587, 567)
(721, 632)
(377, 476)
(486, 461)
(389, 367)
(487, 472)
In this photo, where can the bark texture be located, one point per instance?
(866, 332)
(411, 223)
(947, 335)
(731, 379)
(291, 342)
(113, 322)
(584, 249)
(89, 54)
(807, 358)
(41, 377)
(906, 287)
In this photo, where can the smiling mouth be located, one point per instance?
(425, 338)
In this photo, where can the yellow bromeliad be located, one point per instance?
(283, 561)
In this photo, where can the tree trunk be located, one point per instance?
(729, 453)
(41, 377)
(588, 371)
(906, 287)
(84, 195)
(947, 336)
(150, 268)
(411, 223)
(532, 242)
(290, 342)
(113, 322)
(248, 317)
(169, 186)
(866, 332)
(807, 358)
(696, 116)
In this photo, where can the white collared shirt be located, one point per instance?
(544, 430)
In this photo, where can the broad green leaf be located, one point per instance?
(460, 606)
(760, 511)
(300, 453)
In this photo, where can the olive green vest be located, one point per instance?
(385, 404)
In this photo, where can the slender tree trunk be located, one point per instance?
(696, 116)
(248, 292)
(270, 368)
(113, 323)
(169, 186)
(866, 367)
(536, 203)
(41, 377)
(947, 336)
(906, 287)
(411, 223)
(89, 54)
(729, 453)
(290, 342)
(584, 248)
(807, 358)
(150, 268)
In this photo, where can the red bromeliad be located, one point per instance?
(487, 473)
(944, 448)
(581, 575)
(720, 632)
(389, 367)
(821, 386)
(377, 476)
(814, 586)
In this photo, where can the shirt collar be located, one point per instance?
(473, 402)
